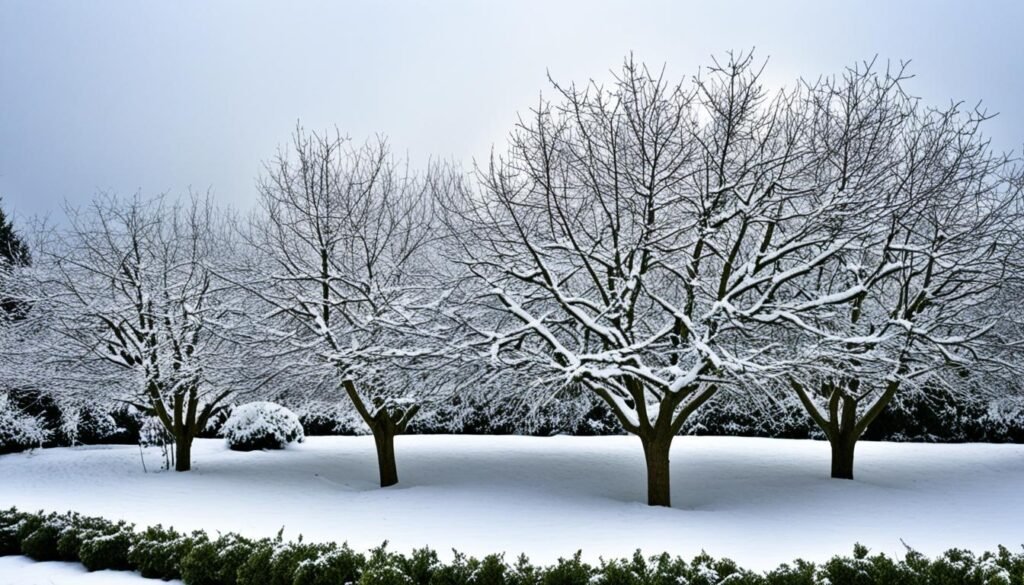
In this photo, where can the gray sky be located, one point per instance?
(160, 96)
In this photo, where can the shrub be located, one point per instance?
(256, 567)
(99, 552)
(261, 425)
(82, 528)
(960, 567)
(215, 562)
(705, 570)
(492, 571)
(465, 570)
(862, 570)
(384, 568)
(18, 430)
(285, 561)
(458, 572)
(568, 572)
(234, 560)
(384, 575)
(334, 565)
(41, 543)
(420, 565)
(10, 523)
(524, 573)
(635, 571)
(28, 524)
(157, 552)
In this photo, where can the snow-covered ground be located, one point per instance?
(25, 571)
(758, 501)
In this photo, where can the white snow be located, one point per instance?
(256, 421)
(758, 501)
(25, 571)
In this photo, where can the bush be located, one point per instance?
(261, 425)
(18, 430)
(157, 552)
(420, 566)
(41, 543)
(101, 552)
(384, 568)
(82, 528)
(524, 573)
(10, 523)
(234, 560)
(332, 566)
(256, 567)
(569, 572)
(461, 571)
(289, 558)
(215, 562)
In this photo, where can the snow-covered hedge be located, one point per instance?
(197, 558)
(19, 431)
(261, 425)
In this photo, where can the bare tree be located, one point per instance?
(634, 235)
(128, 287)
(944, 211)
(344, 267)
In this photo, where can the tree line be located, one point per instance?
(645, 244)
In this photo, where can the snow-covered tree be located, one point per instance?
(126, 309)
(634, 236)
(927, 278)
(344, 263)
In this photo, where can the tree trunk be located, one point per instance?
(842, 457)
(182, 453)
(384, 438)
(656, 454)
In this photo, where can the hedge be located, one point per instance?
(935, 417)
(231, 559)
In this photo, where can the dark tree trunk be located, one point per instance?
(658, 487)
(384, 438)
(842, 427)
(842, 457)
(385, 425)
(182, 453)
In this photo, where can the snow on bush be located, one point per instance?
(19, 431)
(261, 425)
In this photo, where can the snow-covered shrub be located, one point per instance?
(88, 427)
(19, 431)
(41, 543)
(384, 567)
(216, 562)
(261, 425)
(334, 421)
(83, 528)
(101, 552)
(255, 568)
(571, 571)
(334, 565)
(12, 523)
(287, 559)
(157, 552)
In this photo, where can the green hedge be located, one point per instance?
(231, 559)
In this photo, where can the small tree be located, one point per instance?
(343, 264)
(928, 275)
(129, 287)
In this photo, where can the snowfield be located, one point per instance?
(25, 571)
(760, 502)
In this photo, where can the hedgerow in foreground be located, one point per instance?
(231, 559)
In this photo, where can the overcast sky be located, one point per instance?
(160, 97)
